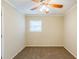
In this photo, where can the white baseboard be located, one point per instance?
(18, 52)
(44, 46)
(71, 52)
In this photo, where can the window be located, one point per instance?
(35, 26)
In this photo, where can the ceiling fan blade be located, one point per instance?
(55, 5)
(35, 8)
(37, 1)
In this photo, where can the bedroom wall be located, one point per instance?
(70, 26)
(13, 31)
(52, 33)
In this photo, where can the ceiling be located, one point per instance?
(24, 6)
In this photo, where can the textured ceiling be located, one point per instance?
(24, 6)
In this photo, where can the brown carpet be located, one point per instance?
(44, 53)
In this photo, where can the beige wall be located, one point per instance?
(52, 31)
(13, 34)
(70, 42)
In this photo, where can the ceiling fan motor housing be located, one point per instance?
(42, 0)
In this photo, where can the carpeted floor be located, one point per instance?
(44, 53)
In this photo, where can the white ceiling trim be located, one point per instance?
(9, 3)
(74, 6)
(42, 15)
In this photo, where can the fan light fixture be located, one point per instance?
(44, 9)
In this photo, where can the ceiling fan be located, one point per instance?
(46, 4)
